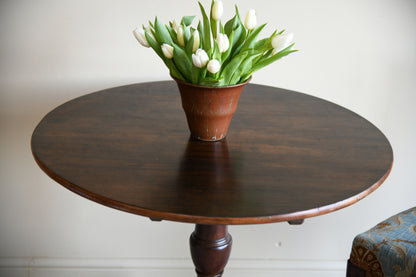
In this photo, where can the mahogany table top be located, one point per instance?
(287, 155)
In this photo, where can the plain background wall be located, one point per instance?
(359, 54)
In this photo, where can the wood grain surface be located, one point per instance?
(287, 155)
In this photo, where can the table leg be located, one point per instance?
(210, 249)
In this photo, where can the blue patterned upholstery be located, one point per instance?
(389, 248)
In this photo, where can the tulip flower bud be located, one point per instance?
(196, 41)
(200, 58)
(217, 10)
(251, 20)
(214, 66)
(167, 50)
(223, 42)
(181, 40)
(280, 42)
(175, 25)
(141, 37)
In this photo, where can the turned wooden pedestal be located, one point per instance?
(287, 156)
(210, 249)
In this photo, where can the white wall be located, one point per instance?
(359, 54)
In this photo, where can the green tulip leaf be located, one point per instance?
(187, 20)
(228, 72)
(183, 63)
(207, 29)
(229, 26)
(172, 34)
(161, 33)
(272, 59)
(265, 44)
(189, 47)
(252, 37)
(216, 52)
(244, 67)
(155, 46)
(212, 82)
(174, 71)
(201, 32)
(260, 43)
(238, 18)
(239, 37)
(201, 73)
(186, 34)
(265, 56)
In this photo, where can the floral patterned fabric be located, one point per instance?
(389, 248)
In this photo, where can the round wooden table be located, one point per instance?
(287, 156)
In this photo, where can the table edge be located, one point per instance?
(159, 215)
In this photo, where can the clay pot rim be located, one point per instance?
(211, 87)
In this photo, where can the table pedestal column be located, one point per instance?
(210, 249)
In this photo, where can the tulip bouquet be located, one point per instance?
(213, 54)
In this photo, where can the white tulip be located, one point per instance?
(149, 32)
(167, 50)
(280, 42)
(223, 42)
(141, 37)
(196, 41)
(200, 58)
(217, 10)
(251, 20)
(181, 40)
(214, 66)
(175, 25)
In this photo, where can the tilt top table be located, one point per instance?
(287, 156)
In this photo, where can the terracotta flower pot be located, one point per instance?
(209, 109)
